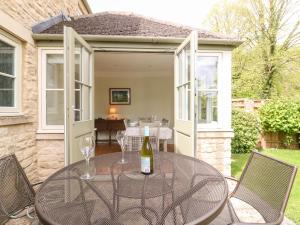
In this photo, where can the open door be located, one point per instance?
(79, 88)
(185, 96)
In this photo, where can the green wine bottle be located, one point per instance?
(146, 154)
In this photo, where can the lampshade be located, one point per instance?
(112, 110)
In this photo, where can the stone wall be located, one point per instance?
(214, 147)
(31, 12)
(50, 156)
(20, 139)
(18, 132)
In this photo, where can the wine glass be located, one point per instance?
(120, 138)
(87, 147)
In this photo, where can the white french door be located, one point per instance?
(185, 96)
(79, 93)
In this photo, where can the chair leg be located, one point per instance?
(118, 203)
(174, 210)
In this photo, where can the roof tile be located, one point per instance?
(127, 24)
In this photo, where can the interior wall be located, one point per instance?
(150, 95)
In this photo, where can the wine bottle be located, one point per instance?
(146, 154)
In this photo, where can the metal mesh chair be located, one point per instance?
(265, 184)
(194, 205)
(16, 192)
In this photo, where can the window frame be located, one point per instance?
(42, 70)
(16, 109)
(220, 104)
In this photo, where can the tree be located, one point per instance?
(270, 29)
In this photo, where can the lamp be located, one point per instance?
(112, 113)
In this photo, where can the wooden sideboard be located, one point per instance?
(108, 126)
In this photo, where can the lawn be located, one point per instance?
(290, 156)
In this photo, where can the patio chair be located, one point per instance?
(16, 192)
(265, 185)
(196, 203)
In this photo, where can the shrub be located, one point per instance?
(246, 127)
(281, 116)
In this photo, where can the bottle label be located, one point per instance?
(145, 164)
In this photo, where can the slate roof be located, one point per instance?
(127, 24)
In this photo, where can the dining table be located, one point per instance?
(181, 190)
(164, 133)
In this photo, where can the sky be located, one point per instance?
(186, 12)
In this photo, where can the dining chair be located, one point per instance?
(134, 143)
(16, 192)
(165, 122)
(265, 185)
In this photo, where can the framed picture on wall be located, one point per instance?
(119, 96)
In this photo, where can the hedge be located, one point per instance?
(247, 130)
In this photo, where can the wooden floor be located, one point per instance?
(104, 148)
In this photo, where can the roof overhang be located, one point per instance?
(139, 39)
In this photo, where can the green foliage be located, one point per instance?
(281, 116)
(246, 127)
(266, 65)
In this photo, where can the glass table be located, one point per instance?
(181, 190)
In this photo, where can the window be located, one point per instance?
(207, 72)
(52, 89)
(51, 62)
(10, 64)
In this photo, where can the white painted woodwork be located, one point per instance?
(185, 127)
(75, 130)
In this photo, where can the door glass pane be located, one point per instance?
(85, 66)
(187, 64)
(207, 72)
(85, 102)
(55, 107)
(207, 103)
(6, 91)
(188, 107)
(180, 103)
(7, 53)
(77, 67)
(55, 71)
(180, 68)
(77, 110)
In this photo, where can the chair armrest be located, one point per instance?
(231, 178)
(37, 183)
(233, 181)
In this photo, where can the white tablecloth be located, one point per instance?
(164, 132)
